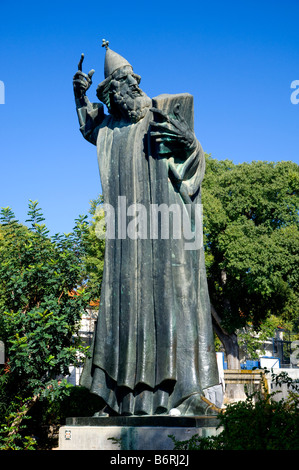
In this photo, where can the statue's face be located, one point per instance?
(125, 82)
(129, 100)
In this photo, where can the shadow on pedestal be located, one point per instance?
(133, 432)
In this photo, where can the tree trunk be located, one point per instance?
(229, 341)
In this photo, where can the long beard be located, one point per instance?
(132, 106)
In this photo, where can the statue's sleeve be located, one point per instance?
(90, 117)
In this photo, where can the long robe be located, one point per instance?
(153, 345)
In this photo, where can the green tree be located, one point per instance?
(253, 342)
(39, 316)
(94, 248)
(252, 245)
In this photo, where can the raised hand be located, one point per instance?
(173, 132)
(82, 81)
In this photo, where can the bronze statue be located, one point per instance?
(153, 348)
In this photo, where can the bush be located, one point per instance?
(258, 423)
(42, 297)
(47, 415)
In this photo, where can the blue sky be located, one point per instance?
(237, 58)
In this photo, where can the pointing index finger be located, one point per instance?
(80, 62)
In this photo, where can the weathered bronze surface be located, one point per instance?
(153, 348)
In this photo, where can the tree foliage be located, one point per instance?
(251, 240)
(42, 298)
(94, 248)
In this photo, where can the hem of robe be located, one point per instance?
(143, 400)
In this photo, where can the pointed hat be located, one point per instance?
(113, 61)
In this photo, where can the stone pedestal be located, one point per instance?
(133, 432)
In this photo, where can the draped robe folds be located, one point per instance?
(153, 345)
